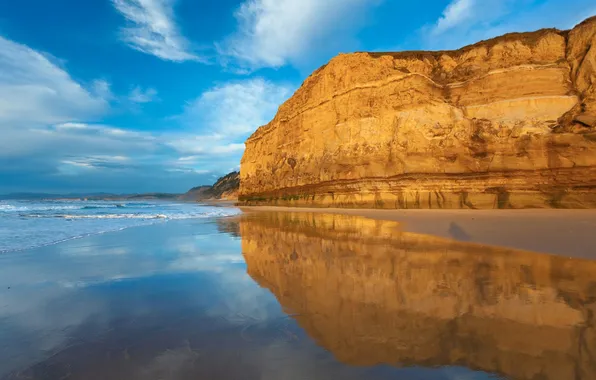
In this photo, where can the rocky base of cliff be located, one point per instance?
(531, 189)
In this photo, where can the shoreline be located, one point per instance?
(218, 202)
(561, 232)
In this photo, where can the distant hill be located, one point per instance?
(226, 187)
(38, 196)
(132, 197)
(93, 196)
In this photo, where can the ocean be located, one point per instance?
(33, 223)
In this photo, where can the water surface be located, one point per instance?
(292, 296)
(33, 223)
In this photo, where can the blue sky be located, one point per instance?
(159, 95)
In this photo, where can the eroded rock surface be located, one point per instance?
(371, 294)
(505, 123)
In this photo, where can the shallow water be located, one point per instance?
(33, 223)
(292, 296)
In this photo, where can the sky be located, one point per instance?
(129, 96)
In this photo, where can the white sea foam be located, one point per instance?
(37, 208)
(107, 216)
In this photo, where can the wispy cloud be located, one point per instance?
(98, 162)
(138, 95)
(455, 13)
(36, 93)
(467, 21)
(47, 137)
(236, 107)
(100, 129)
(80, 155)
(221, 118)
(272, 33)
(52, 140)
(33, 89)
(205, 147)
(78, 163)
(152, 29)
(102, 89)
(464, 22)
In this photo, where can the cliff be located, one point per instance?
(371, 294)
(505, 123)
(225, 187)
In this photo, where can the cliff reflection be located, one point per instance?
(372, 294)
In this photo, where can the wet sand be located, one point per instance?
(562, 232)
(372, 294)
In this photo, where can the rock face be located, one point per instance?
(505, 123)
(372, 295)
(225, 188)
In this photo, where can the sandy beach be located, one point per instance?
(562, 232)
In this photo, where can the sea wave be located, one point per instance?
(131, 216)
(102, 206)
(6, 207)
(32, 208)
(110, 216)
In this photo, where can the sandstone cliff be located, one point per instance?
(505, 123)
(372, 295)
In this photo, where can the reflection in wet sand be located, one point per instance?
(371, 294)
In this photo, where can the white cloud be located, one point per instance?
(114, 158)
(455, 13)
(98, 161)
(138, 95)
(46, 133)
(204, 146)
(188, 170)
(237, 108)
(42, 109)
(100, 129)
(219, 121)
(101, 88)
(74, 126)
(153, 29)
(35, 90)
(227, 114)
(230, 148)
(187, 158)
(47, 141)
(465, 22)
(271, 33)
(78, 163)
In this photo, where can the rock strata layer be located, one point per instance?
(505, 123)
(371, 294)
